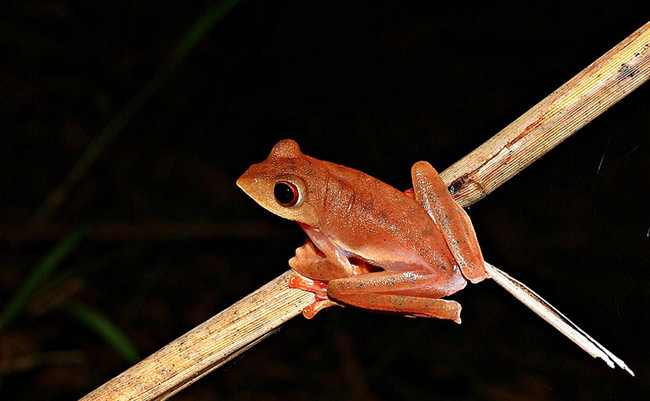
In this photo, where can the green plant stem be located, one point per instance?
(41, 272)
(206, 21)
(109, 332)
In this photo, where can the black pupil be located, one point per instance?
(284, 193)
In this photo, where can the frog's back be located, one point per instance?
(375, 222)
(365, 217)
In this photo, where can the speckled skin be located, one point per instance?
(375, 246)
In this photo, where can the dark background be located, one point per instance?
(372, 85)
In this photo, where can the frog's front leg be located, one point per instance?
(410, 293)
(317, 266)
(319, 262)
(311, 262)
(322, 259)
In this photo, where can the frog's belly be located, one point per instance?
(399, 258)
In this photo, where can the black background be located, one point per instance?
(371, 85)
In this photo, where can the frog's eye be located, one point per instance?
(286, 193)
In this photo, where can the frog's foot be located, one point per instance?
(318, 287)
(311, 310)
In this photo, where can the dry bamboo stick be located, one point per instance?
(555, 318)
(207, 346)
(583, 98)
(240, 326)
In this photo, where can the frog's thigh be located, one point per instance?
(407, 293)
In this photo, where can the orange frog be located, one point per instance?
(370, 245)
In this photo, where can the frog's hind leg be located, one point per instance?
(431, 193)
(405, 293)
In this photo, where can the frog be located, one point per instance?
(370, 245)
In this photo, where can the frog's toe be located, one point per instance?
(310, 311)
(318, 287)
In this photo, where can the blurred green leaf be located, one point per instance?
(41, 273)
(104, 328)
(208, 18)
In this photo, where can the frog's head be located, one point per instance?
(280, 183)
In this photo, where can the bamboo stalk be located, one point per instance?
(242, 325)
(555, 318)
(583, 98)
(209, 345)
